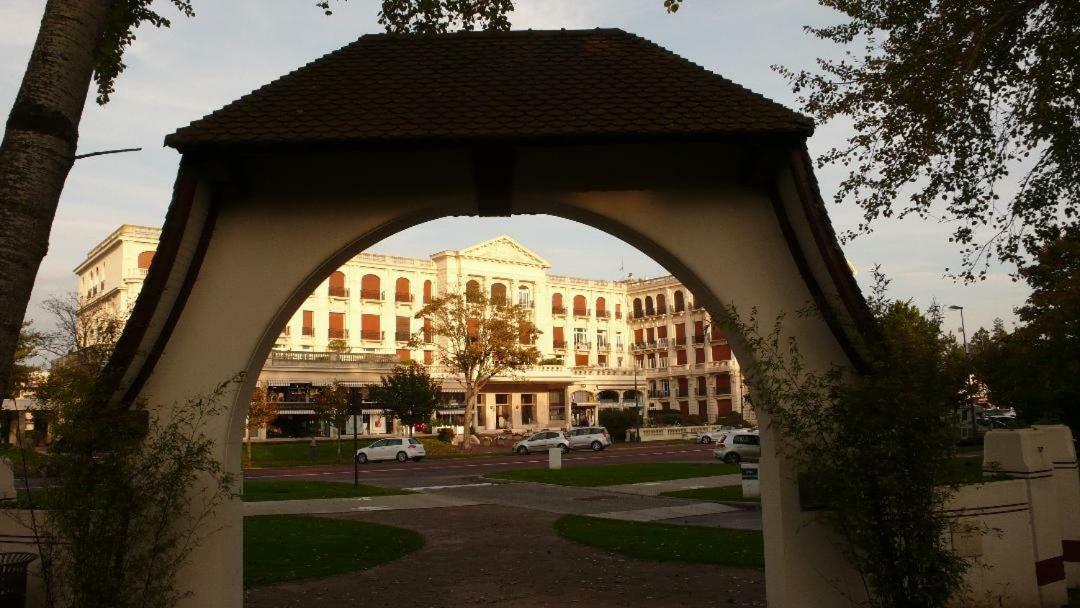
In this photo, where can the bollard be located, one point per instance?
(1062, 456)
(751, 488)
(1022, 454)
(554, 458)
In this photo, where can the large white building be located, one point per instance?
(604, 343)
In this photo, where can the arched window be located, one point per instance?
(337, 285)
(370, 287)
(680, 304)
(401, 290)
(472, 291)
(581, 307)
(427, 291)
(661, 304)
(145, 259)
(649, 310)
(557, 307)
(524, 296)
(638, 313)
(498, 294)
(601, 307)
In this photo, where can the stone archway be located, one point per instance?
(723, 198)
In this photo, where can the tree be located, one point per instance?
(333, 406)
(23, 369)
(84, 40)
(262, 409)
(409, 394)
(948, 99)
(475, 340)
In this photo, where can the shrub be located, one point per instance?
(734, 419)
(617, 421)
(446, 434)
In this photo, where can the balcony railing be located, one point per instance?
(681, 392)
(661, 311)
(558, 310)
(661, 342)
(339, 292)
(560, 344)
(402, 336)
(659, 394)
(583, 345)
(371, 334)
(337, 333)
(603, 314)
(285, 331)
(680, 340)
(581, 312)
(403, 297)
(371, 294)
(603, 345)
(307, 331)
(699, 339)
(618, 315)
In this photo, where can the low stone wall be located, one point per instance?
(667, 433)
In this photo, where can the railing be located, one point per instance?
(618, 315)
(339, 292)
(699, 339)
(280, 357)
(678, 367)
(558, 310)
(680, 340)
(403, 297)
(639, 346)
(559, 344)
(371, 294)
(603, 345)
(581, 312)
(661, 433)
(402, 336)
(679, 309)
(681, 393)
(285, 331)
(655, 394)
(371, 334)
(603, 314)
(661, 342)
(337, 333)
(582, 345)
(661, 311)
(307, 331)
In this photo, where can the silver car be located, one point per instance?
(735, 446)
(542, 441)
(397, 449)
(595, 438)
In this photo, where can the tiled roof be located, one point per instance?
(603, 84)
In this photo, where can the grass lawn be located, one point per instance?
(666, 542)
(720, 494)
(280, 548)
(613, 474)
(258, 490)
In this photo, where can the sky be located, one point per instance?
(179, 74)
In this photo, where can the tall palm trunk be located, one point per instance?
(38, 150)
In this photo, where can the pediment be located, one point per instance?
(505, 249)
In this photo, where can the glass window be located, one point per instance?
(414, 442)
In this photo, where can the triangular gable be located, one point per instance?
(505, 249)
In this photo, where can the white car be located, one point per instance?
(542, 441)
(714, 435)
(735, 446)
(399, 449)
(595, 438)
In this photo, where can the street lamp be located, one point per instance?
(971, 404)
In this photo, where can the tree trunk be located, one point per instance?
(38, 150)
(470, 406)
(249, 447)
(339, 444)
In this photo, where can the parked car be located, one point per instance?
(593, 437)
(713, 435)
(735, 446)
(399, 449)
(542, 441)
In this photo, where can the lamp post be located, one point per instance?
(971, 404)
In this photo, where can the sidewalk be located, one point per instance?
(352, 505)
(656, 488)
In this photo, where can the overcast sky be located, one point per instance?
(232, 47)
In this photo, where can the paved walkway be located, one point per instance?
(655, 488)
(491, 555)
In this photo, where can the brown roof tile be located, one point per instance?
(493, 86)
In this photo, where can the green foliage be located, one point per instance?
(409, 394)
(333, 405)
(666, 542)
(279, 548)
(674, 418)
(441, 16)
(446, 434)
(717, 494)
(1005, 78)
(876, 445)
(23, 368)
(618, 421)
(119, 34)
(1036, 367)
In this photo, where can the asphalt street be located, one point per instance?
(436, 474)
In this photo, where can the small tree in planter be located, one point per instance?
(476, 339)
(408, 393)
(332, 406)
(262, 409)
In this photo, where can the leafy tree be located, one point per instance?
(333, 405)
(337, 346)
(82, 41)
(23, 369)
(408, 393)
(948, 99)
(476, 339)
(262, 409)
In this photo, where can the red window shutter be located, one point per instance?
(661, 332)
(427, 291)
(680, 356)
(523, 332)
(403, 354)
(699, 328)
(309, 318)
(401, 287)
(639, 336)
(699, 355)
(721, 352)
(702, 407)
(701, 385)
(723, 383)
(145, 259)
(683, 384)
(684, 407)
(601, 360)
(723, 406)
(680, 330)
(402, 324)
(717, 333)
(581, 360)
(651, 333)
(429, 357)
(473, 327)
(557, 337)
(427, 331)
(337, 326)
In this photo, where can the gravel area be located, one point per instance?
(491, 555)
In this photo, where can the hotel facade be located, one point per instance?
(603, 343)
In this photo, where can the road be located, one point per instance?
(434, 474)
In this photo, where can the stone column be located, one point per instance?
(1061, 453)
(515, 410)
(1023, 454)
